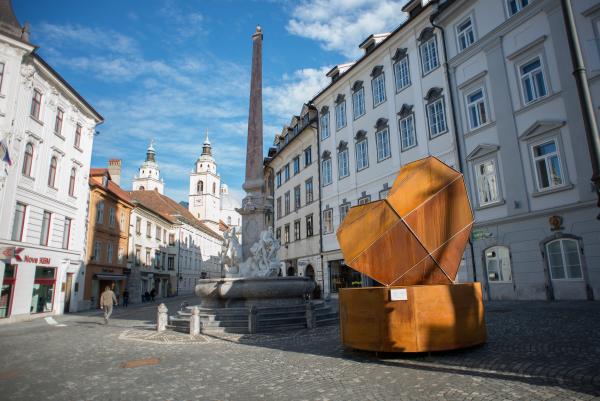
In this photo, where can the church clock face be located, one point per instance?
(198, 201)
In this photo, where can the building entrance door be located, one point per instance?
(68, 286)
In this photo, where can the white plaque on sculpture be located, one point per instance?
(398, 294)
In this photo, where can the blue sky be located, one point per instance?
(170, 69)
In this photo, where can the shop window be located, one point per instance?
(497, 263)
(8, 286)
(564, 259)
(342, 276)
(43, 289)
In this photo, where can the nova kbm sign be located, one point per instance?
(14, 252)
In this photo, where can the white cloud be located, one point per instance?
(286, 100)
(341, 25)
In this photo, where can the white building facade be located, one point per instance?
(523, 139)
(389, 108)
(47, 132)
(295, 171)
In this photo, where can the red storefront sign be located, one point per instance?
(14, 252)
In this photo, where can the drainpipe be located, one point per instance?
(316, 126)
(461, 166)
(585, 99)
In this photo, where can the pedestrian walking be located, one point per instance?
(125, 298)
(107, 300)
(152, 294)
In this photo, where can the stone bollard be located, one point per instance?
(195, 322)
(162, 318)
(311, 317)
(252, 319)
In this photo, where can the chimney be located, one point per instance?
(114, 169)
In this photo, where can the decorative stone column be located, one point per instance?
(195, 322)
(162, 318)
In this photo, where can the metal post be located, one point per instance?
(585, 98)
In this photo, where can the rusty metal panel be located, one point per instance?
(417, 235)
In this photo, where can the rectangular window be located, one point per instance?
(547, 165)
(364, 200)
(402, 74)
(157, 259)
(109, 253)
(171, 239)
(278, 179)
(308, 189)
(476, 108)
(429, 56)
(148, 229)
(286, 202)
(436, 117)
(343, 164)
(307, 156)
(378, 86)
(297, 197)
(344, 208)
(358, 103)
(43, 290)
(487, 182)
(296, 163)
(111, 217)
(100, 212)
(138, 225)
(309, 225)
(157, 232)
(564, 260)
(36, 104)
(327, 221)
(77, 142)
(383, 193)
(122, 221)
(296, 230)
(497, 262)
(362, 155)
(279, 207)
(45, 233)
(148, 261)
(286, 234)
(383, 144)
(58, 122)
(408, 138)
(326, 167)
(138, 256)
(66, 233)
(97, 251)
(121, 255)
(514, 6)
(286, 172)
(278, 234)
(533, 83)
(324, 126)
(171, 262)
(340, 115)
(465, 35)
(19, 222)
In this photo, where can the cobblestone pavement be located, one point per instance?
(536, 351)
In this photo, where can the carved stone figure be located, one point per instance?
(262, 262)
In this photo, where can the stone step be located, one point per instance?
(328, 322)
(281, 321)
(279, 328)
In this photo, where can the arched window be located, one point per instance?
(142, 188)
(214, 187)
(72, 182)
(28, 160)
(563, 259)
(497, 263)
(200, 187)
(52, 172)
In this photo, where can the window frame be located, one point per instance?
(297, 197)
(329, 176)
(328, 226)
(502, 279)
(423, 46)
(67, 224)
(309, 190)
(100, 212)
(397, 69)
(346, 169)
(366, 154)
(410, 116)
(460, 33)
(377, 144)
(542, 70)
(325, 126)
(298, 232)
(344, 209)
(58, 121)
(566, 278)
(286, 203)
(52, 172)
(360, 95)
(375, 84)
(519, 5)
(469, 104)
(562, 165)
(22, 222)
(77, 139)
(428, 113)
(309, 221)
(307, 156)
(36, 104)
(478, 162)
(45, 228)
(27, 167)
(341, 115)
(296, 165)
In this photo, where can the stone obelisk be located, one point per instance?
(254, 205)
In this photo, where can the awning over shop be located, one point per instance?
(109, 276)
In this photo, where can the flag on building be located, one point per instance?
(4, 155)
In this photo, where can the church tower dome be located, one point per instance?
(148, 177)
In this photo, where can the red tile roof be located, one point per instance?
(95, 180)
(169, 209)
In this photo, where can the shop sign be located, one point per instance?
(14, 252)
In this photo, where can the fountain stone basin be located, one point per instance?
(254, 291)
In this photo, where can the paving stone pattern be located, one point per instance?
(536, 351)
